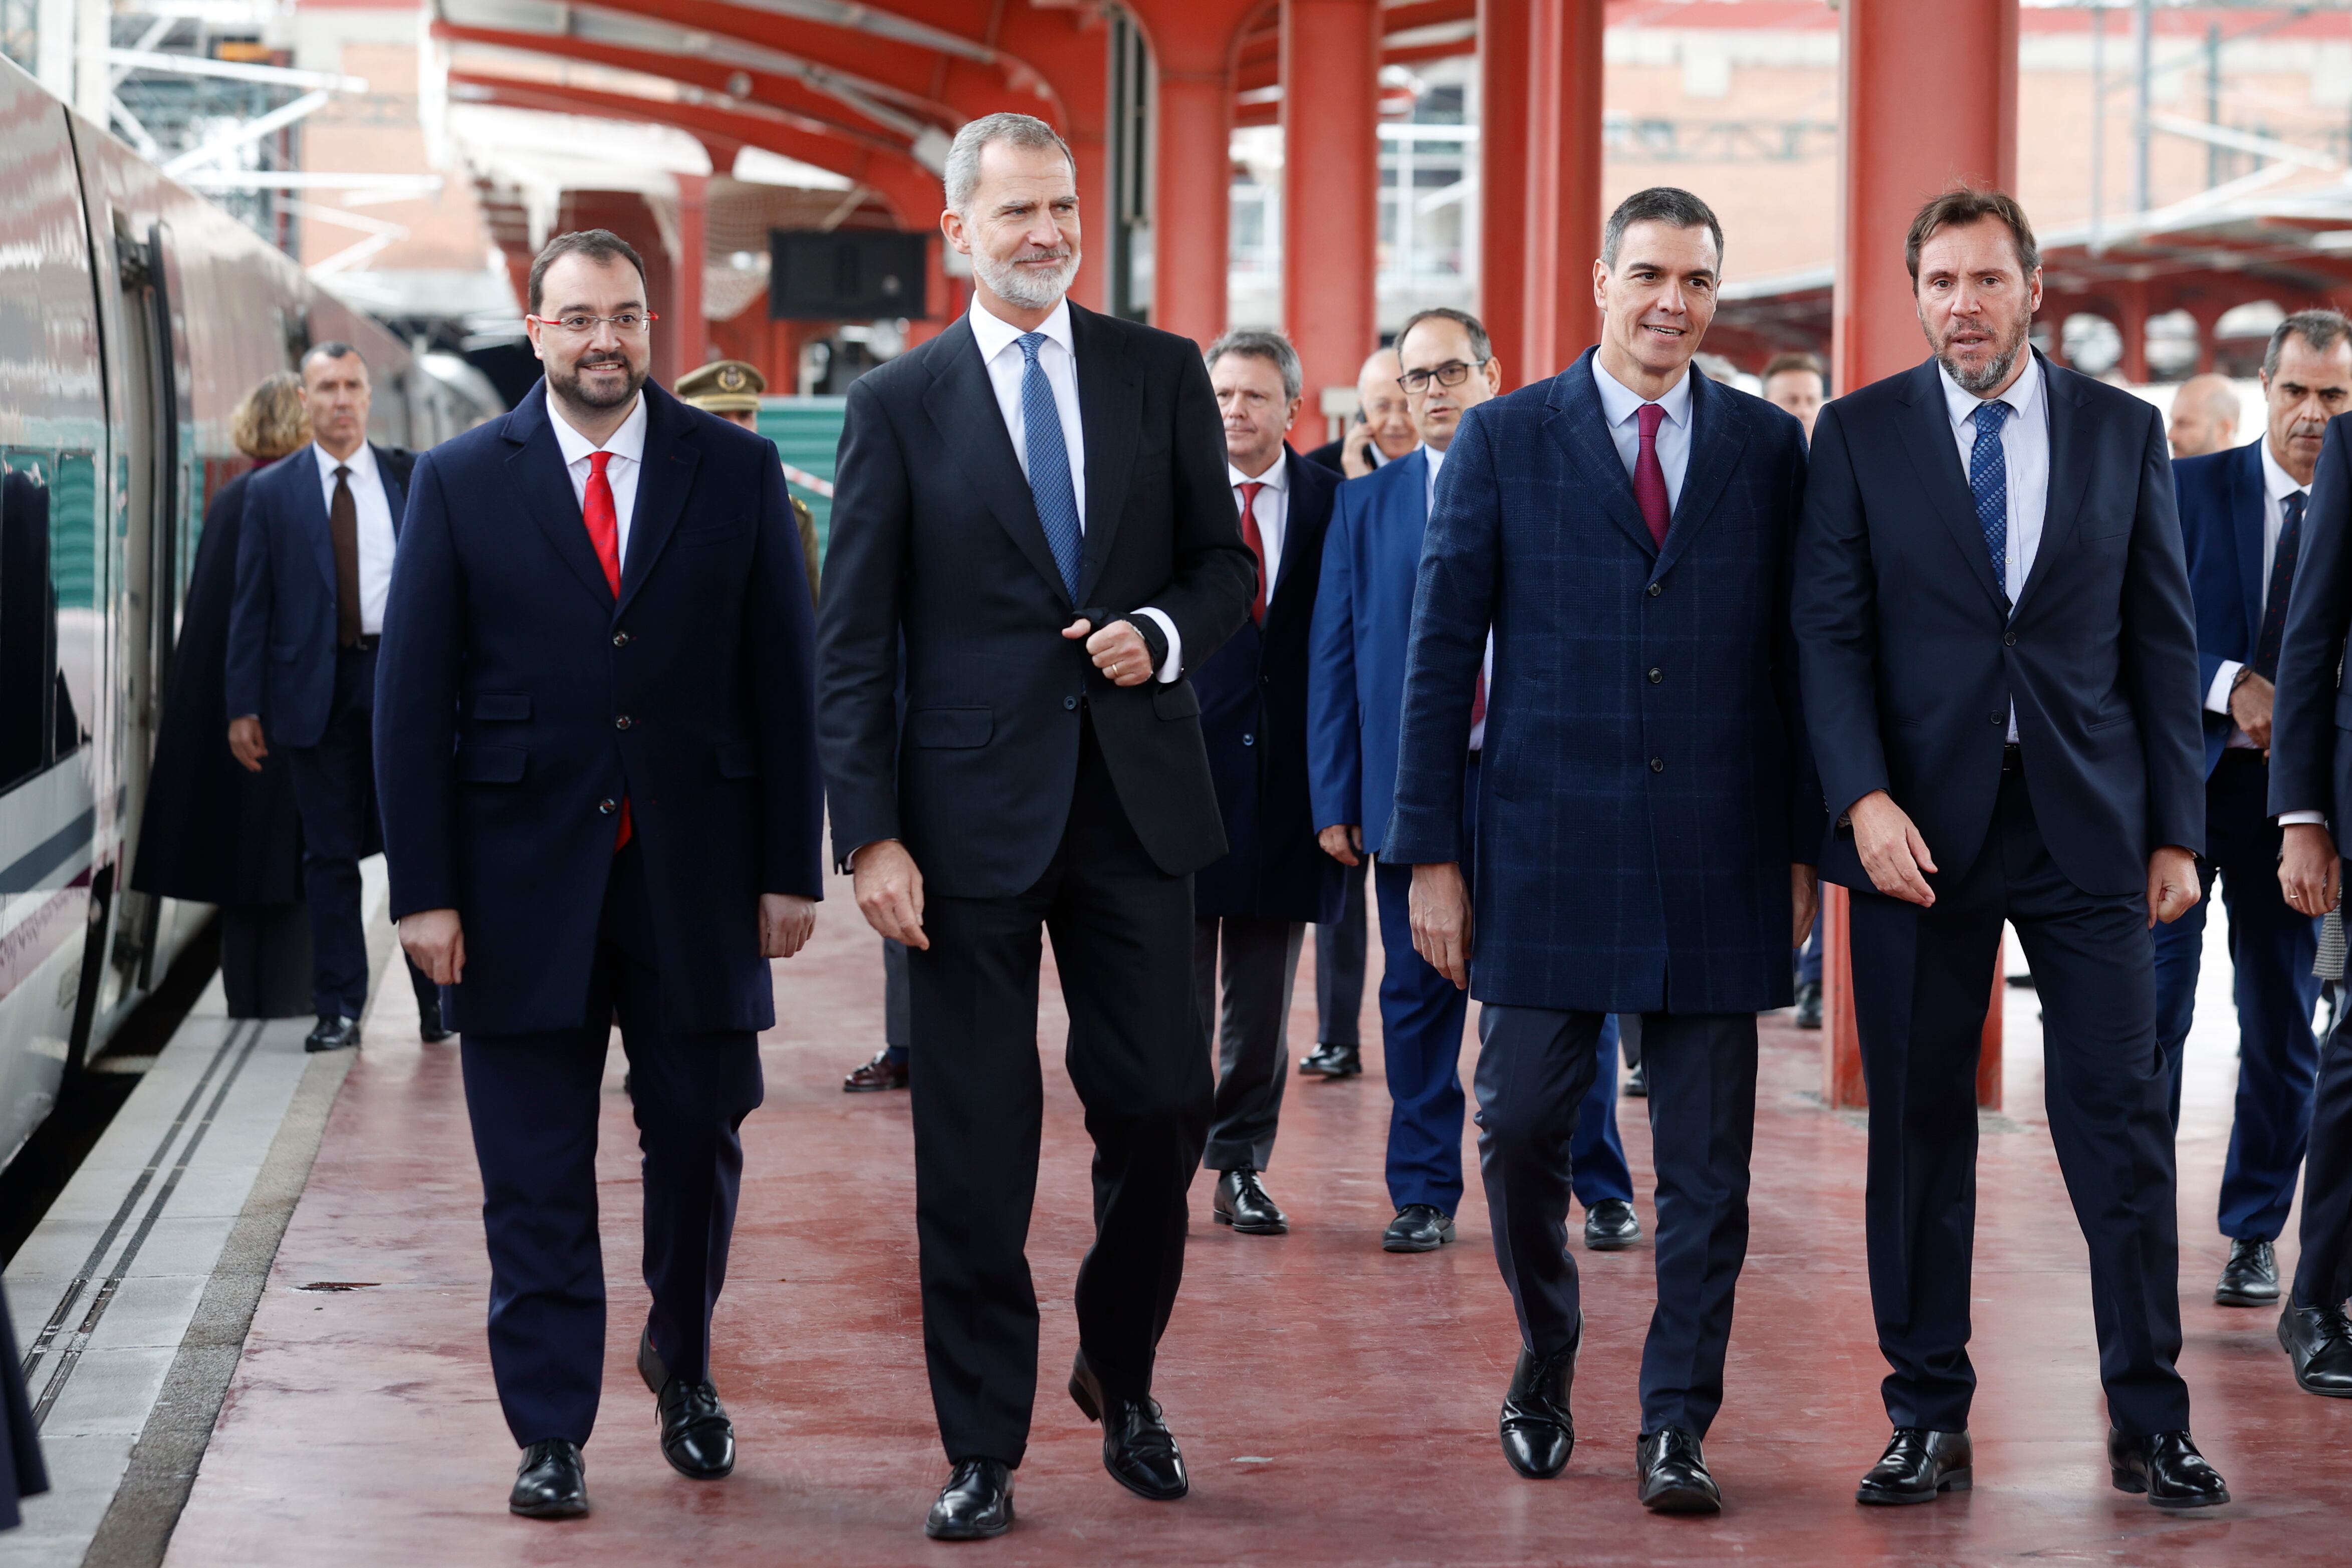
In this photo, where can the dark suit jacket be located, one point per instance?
(515, 698)
(1254, 718)
(1371, 558)
(213, 833)
(281, 631)
(2311, 765)
(1913, 654)
(936, 555)
(1644, 781)
(2222, 506)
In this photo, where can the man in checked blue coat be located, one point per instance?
(1649, 818)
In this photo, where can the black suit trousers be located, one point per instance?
(1123, 936)
(1923, 978)
(534, 1100)
(2323, 1278)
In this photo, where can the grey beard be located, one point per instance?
(1995, 371)
(1025, 289)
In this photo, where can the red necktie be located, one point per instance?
(1257, 542)
(1649, 479)
(603, 520)
(1478, 699)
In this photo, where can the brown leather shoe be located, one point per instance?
(876, 1075)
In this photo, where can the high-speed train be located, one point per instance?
(133, 316)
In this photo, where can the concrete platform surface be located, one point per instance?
(1336, 1403)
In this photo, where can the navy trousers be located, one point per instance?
(1340, 953)
(534, 1100)
(2323, 1276)
(334, 794)
(1536, 1069)
(2271, 949)
(1923, 978)
(898, 1008)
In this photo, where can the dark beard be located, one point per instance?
(572, 388)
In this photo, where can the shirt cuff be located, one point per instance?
(2303, 819)
(1173, 666)
(2217, 695)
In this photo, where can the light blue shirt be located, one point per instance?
(1622, 406)
(2025, 454)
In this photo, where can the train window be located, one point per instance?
(48, 512)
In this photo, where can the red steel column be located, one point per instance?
(1504, 79)
(1563, 193)
(1929, 101)
(1331, 186)
(688, 337)
(1192, 207)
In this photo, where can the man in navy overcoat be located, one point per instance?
(1645, 839)
(596, 740)
(2000, 678)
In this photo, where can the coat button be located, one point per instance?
(620, 639)
(1995, 718)
(1657, 676)
(1069, 705)
(622, 722)
(1657, 765)
(1249, 740)
(1656, 588)
(2009, 639)
(606, 808)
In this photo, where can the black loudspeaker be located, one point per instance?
(859, 275)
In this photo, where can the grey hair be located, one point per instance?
(2323, 330)
(961, 176)
(1667, 205)
(333, 349)
(1272, 347)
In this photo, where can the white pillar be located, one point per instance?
(53, 59)
(93, 35)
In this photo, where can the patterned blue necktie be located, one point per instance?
(2282, 584)
(1989, 483)
(1049, 463)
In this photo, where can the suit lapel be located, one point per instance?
(1926, 429)
(2246, 526)
(665, 477)
(1110, 414)
(396, 493)
(961, 403)
(536, 465)
(1718, 435)
(2072, 443)
(1298, 532)
(1579, 425)
(311, 501)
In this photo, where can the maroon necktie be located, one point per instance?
(1649, 479)
(1257, 542)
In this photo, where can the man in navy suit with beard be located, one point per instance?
(1647, 827)
(596, 740)
(2000, 679)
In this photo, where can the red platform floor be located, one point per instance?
(1336, 1403)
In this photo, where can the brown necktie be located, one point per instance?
(344, 523)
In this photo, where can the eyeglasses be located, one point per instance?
(628, 323)
(1452, 373)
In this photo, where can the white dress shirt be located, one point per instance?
(376, 535)
(999, 342)
(2277, 485)
(2025, 453)
(628, 446)
(1486, 669)
(1621, 405)
(1272, 512)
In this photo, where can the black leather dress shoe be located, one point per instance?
(1637, 1082)
(429, 1027)
(1809, 1005)
(1670, 1474)
(332, 1034)
(876, 1075)
(1418, 1227)
(1917, 1466)
(1138, 1450)
(2318, 1341)
(975, 1504)
(1242, 1203)
(696, 1438)
(2249, 1278)
(1333, 1062)
(1612, 1226)
(1537, 1431)
(551, 1482)
(2167, 1468)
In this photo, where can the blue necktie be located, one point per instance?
(1989, 483)
(2273, 630)
(1049, 463)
